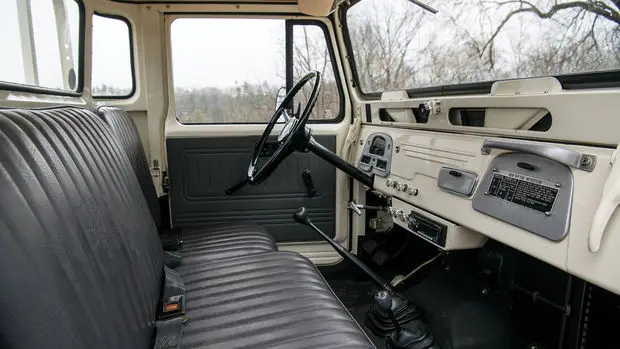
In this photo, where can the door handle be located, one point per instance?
(309, 183)
(585, 162)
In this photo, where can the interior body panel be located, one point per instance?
(197, 198)
(310, 174)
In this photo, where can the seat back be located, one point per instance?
(80, 260)
(125, 131)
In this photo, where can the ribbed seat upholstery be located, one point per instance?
(225, 241)
(267, 300)
(80, 259)
(81, 263)
(199, 244)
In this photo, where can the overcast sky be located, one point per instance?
(219, 52)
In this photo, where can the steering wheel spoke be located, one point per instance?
(284, 113)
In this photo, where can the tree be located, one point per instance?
(586, 25)
(381, 45)
(397, 45)
(310, 53)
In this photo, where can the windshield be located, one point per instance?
(398, 45)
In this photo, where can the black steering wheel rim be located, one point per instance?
(293, 128)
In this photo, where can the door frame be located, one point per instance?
(320, 253)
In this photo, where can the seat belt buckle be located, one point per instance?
(172, 306)
(172, 301)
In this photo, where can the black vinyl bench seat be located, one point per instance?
(81, 262)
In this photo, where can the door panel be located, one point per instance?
(202, 168)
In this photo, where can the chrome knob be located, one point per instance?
(401, 215)
(389, 183)
(396, 185)
(412, 191)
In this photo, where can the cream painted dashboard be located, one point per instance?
(417, 156)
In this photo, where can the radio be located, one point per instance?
(428, 229)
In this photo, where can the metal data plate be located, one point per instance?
(528, 191)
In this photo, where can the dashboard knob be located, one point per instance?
(396, 185)
(401, 216)
(389, 183)
(412, 191)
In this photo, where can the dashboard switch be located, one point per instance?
(412, 191)
(389, 183)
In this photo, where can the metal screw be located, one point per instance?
(548, 213)
(558, 184)
(586, 162)
(484, 291)
(494, 170)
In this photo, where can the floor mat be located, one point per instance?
(358, 297)
(458, 318)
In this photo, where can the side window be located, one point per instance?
(227, 70)
(310, 52)
(41, 46)
(235, 78)
(112, 59)
(397, 45)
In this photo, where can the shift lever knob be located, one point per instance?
(384, 301)
(301, 216)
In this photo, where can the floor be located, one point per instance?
(458, 317)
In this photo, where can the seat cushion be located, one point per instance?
(225, 241)
(266, 300)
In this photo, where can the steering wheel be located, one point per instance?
(294, 135)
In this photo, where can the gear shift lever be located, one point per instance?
(301, 216)
(384, 302)
(415, 336)
(378, 320)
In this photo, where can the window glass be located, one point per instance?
(40, 39)
(398, 45)
(112, 70)
(310, 52)
(229, 70)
